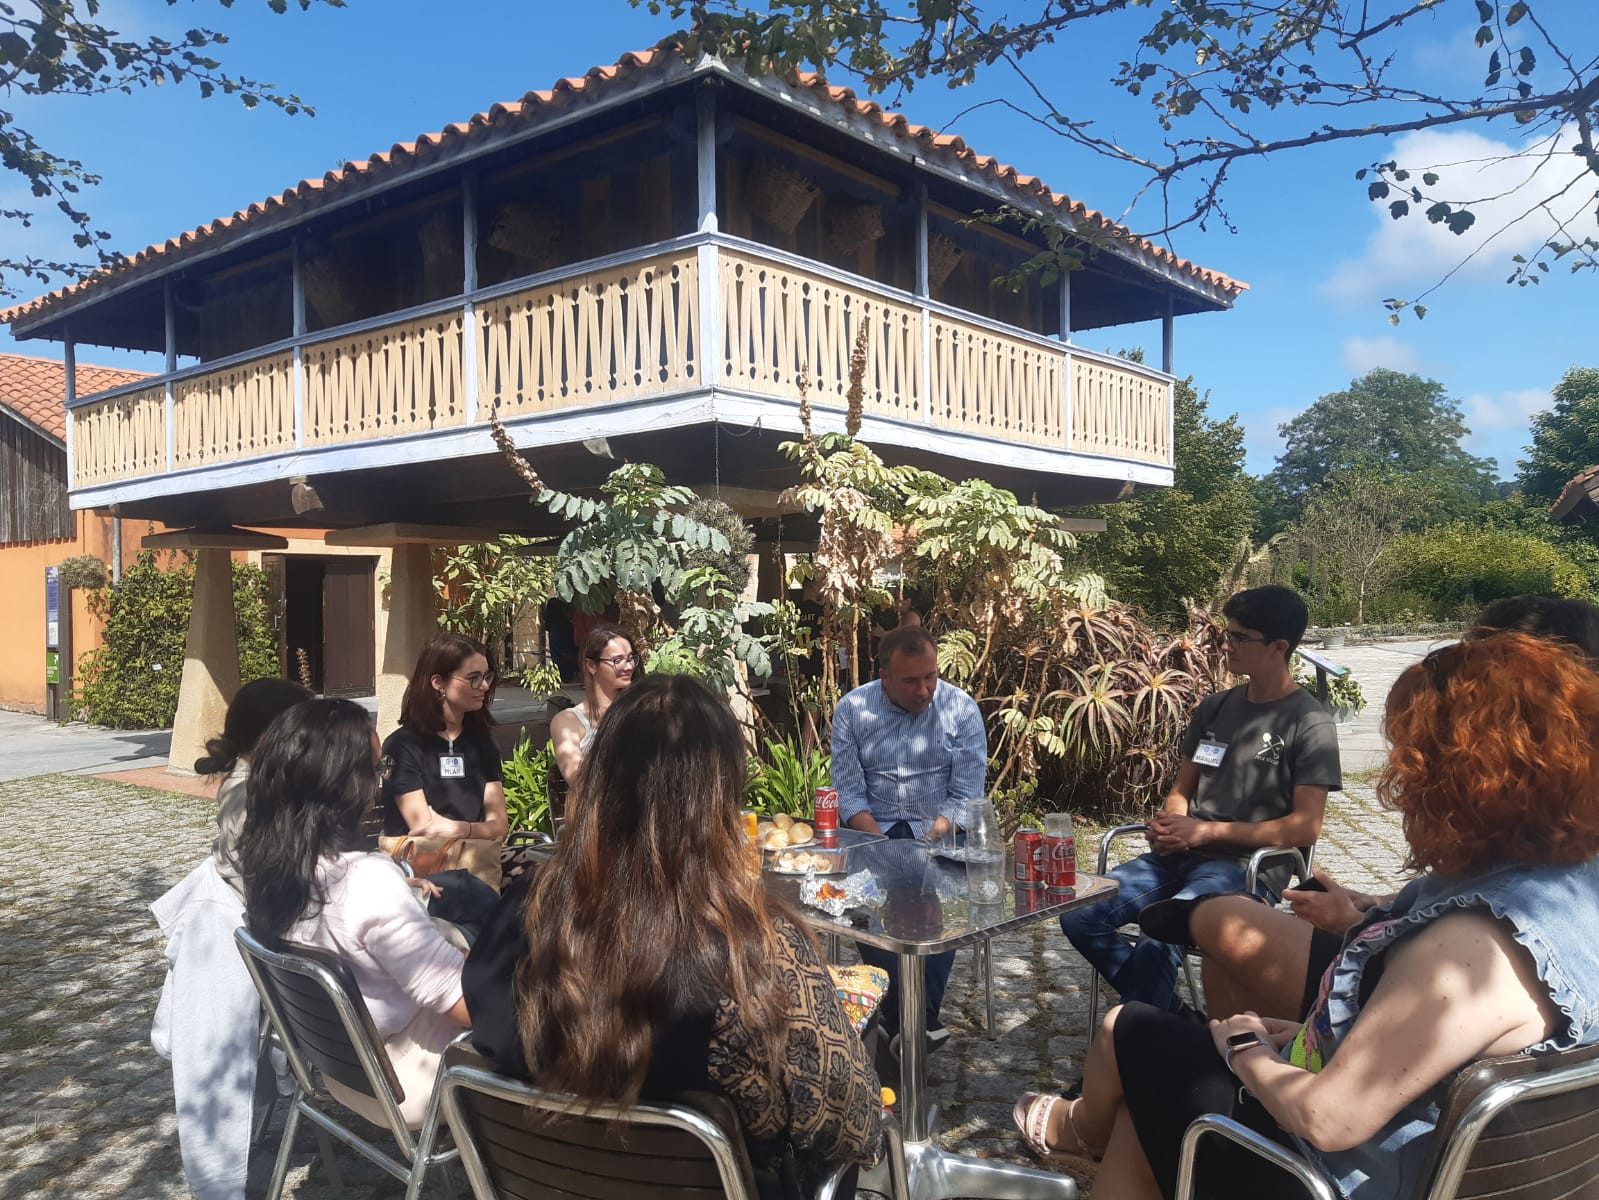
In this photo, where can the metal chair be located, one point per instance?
(323, 1026)
(1300, 861)
(519, 1141)
(1520, 1127)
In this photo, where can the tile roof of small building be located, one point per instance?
(35, 388)
(535, 105)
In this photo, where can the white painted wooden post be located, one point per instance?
(297, 260)
(925, 318)
(169, 403)
(469, 345)
(710, 289)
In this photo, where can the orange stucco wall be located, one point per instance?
(22, 567)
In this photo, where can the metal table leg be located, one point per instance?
(933, 1173)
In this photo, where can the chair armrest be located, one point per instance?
(534, 837)
(1111, 836)
(1226, 1127)
(1265, 854)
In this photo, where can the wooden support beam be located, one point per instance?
(231, 538)
(396, 533)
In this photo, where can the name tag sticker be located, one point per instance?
(452, 766)
(1209, 753)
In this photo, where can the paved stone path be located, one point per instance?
(86, 1105)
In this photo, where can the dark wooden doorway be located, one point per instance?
(326, 627)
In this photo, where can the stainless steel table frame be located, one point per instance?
(929, 910)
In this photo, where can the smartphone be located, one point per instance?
(1310, 885)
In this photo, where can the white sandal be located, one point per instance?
(1031, 1114)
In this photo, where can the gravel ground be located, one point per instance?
(86, 1105)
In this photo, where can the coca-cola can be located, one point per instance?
(1028, 855)
(1060, 862)
(826, 810)
(1029, 900)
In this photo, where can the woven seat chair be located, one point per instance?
(1520, 1127)
(322, 1023)
(519, 1141)
(1300, 861)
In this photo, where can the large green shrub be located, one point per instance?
(1456, 567)
(131, 680)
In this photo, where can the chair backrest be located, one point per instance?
(317, 1012)
(517, 1140)
(1521, 1127)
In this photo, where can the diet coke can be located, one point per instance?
(1029, 858)
(1060, 853)
(826, 820)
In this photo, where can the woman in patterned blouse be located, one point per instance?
(646, 960)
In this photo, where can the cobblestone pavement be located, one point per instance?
(86, 1105)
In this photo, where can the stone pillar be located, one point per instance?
(412, 621)
(210, 661)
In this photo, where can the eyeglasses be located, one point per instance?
(1229, 638)
(383, 768)
(617, 661)
(478, 680)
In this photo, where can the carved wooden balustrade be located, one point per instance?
(626, 330)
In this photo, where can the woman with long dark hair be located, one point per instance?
(1494, 767)
(315, 775)
(228, 755)
(446, 780)
(647, 959)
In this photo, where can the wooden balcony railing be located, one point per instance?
(623, 330)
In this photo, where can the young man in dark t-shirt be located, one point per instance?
(1257, 763)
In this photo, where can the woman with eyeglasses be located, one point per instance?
(446, 779)
(1494, 767)
(313, 779)
(609, 663)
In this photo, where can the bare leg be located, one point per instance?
(1086, 1124)
(1124, 1173)
(1255, 957)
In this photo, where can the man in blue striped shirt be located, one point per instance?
(909, 750)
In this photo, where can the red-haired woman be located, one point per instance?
(1495, 770)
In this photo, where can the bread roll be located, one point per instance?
(799, 833)
(775, 841)
(782, 820)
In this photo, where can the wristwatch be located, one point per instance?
(1239, 1042)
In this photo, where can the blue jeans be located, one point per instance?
(1145, 970)
(936, 972)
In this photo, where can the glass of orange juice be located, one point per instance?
(751, 821)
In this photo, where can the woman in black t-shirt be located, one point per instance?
(446, 779)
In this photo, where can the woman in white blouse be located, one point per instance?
(315, 774)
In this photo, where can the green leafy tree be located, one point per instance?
(1228, 81)
(1459, 568)
(1166, 548)
(61, 48)
(638, 541)
(485, 587)
(1390, 424)
(1347, 535)
(1565, 438)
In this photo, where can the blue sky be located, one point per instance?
(1318, 256)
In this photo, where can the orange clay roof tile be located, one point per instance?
(33, 388)
(529, 108)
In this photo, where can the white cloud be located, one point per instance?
(1360, 355)
(1498, 181)
(1500, 423)
(1262, 442)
